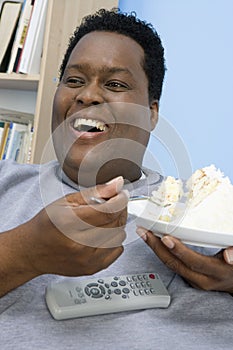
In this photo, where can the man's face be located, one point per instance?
(101, 113)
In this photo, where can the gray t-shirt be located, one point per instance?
(194, 320)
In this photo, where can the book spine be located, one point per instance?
(20, 36)
(9, 15)
(4, 138)
(32, 35)
(8, 141)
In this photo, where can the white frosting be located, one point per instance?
(214, 213)
(209, 201)
(170, 191)
(203, 182)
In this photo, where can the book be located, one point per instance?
(20, 35)
(1, 130)
(23, 153)
(17, 135)
(4, 138)
(33, 46)
(9, 17)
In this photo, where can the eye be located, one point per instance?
(74, 82)
(117, 85)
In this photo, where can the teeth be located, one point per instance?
(78, 123)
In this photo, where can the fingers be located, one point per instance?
(192, 261)
(228, 255)
(103, 214)
(116, 201)
(106, 191)
(203, 272)
(100, 237)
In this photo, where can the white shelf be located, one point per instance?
(16, 81)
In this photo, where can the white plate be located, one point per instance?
(147, 214)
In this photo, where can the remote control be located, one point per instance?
(73, 297)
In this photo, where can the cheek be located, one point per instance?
(137, 134)
(60, 106)
(62, 100)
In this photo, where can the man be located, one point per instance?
(104, 108)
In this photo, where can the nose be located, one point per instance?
(90, 94)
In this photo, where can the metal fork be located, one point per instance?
(132, 198)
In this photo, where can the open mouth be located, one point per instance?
(89, 125)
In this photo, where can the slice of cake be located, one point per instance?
(169, 192)
(210, 201)
(203, 182)
(208, 205)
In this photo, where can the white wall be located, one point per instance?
(198, 92)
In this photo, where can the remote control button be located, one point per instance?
(101, 281)
(147, 291)
(122, 283)
(124, 296)
(92, 285)
(97, 296)
(140, 277)
(117, 291)
(132, 285)
(107, 285)
(107, 297)
(80, 294)
(95, 291)
(129, 279)
(102, 289)
(141, 292)
(143, 284)
(116, 278)
(77, 301)
(152, 276)
(87, 291)
(134, 278)
(145, 277)
(114, 284)
(148, 284)
(138, 285)
(135, 292)
(125, 290)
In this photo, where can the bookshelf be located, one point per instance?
(62, 18)
(19, 82)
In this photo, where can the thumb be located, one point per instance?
(105, 191)
(111, 188)
(228, 255)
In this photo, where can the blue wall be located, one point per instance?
(197, 98)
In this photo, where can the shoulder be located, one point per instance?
(12, 167)
(13, 172)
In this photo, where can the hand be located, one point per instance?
(202, 272)
(96, 232)
(69, 237)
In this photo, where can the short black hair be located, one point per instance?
(140, 31)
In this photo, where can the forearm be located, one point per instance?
(14, 269)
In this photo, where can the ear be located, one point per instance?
(154, 113)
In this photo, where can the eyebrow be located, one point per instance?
(104, 69)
